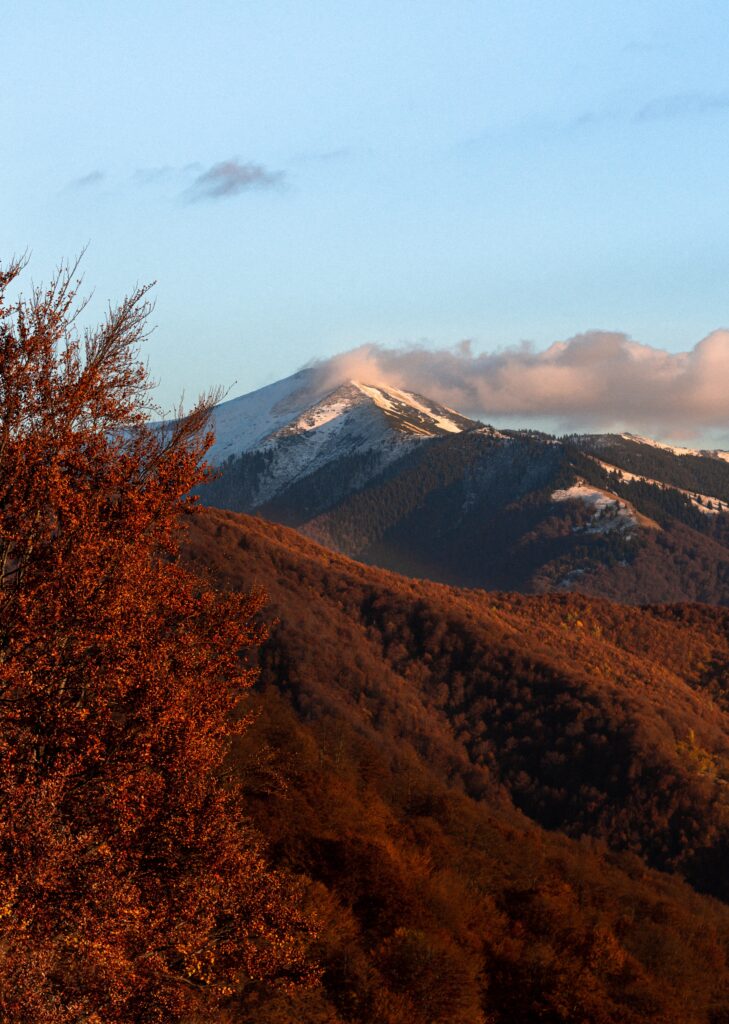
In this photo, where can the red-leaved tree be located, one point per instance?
(132, 888)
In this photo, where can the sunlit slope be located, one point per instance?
(412, 743)
(590, 717)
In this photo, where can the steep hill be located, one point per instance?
(480, 788)
(533, 514)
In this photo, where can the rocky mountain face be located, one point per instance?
(395, 479)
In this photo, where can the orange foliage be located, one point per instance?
(132, 887)
(410, 718)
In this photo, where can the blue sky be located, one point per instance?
(305, 178)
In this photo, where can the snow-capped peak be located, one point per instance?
(303, 425)
(394, 400)
(303, 404)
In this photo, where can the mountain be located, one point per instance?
(268, 441)
(307, 401)
(394, 479)
(505, 808)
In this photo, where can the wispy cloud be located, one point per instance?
(324, 155)
(230, 178)
(686, 106)
(93, 178)
(165, 174)
(600, 379)
(683, 105)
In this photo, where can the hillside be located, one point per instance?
(521, 514)
(481, 787)
(392, 479)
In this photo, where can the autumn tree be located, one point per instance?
(132, 887)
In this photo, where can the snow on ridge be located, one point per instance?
(715, 453)
(382, 396)
(705, 503)
(377, 394)
(674, 449)
(354, 395)
(609, 512)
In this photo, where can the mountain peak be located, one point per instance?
(423, 414)
(307, 402)
(299, 426)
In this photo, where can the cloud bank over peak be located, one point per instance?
(599, 380)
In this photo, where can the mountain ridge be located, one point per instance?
(390, 477)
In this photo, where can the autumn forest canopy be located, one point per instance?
(247, 779)
(134, 887)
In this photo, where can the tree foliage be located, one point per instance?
(132, 887)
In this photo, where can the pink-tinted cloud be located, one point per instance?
(597, 380)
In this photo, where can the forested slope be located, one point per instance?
(478, 509)
(476, 786)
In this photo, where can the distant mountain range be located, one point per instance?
(395, 479)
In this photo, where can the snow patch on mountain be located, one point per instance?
(599, 500)
(608, 511)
